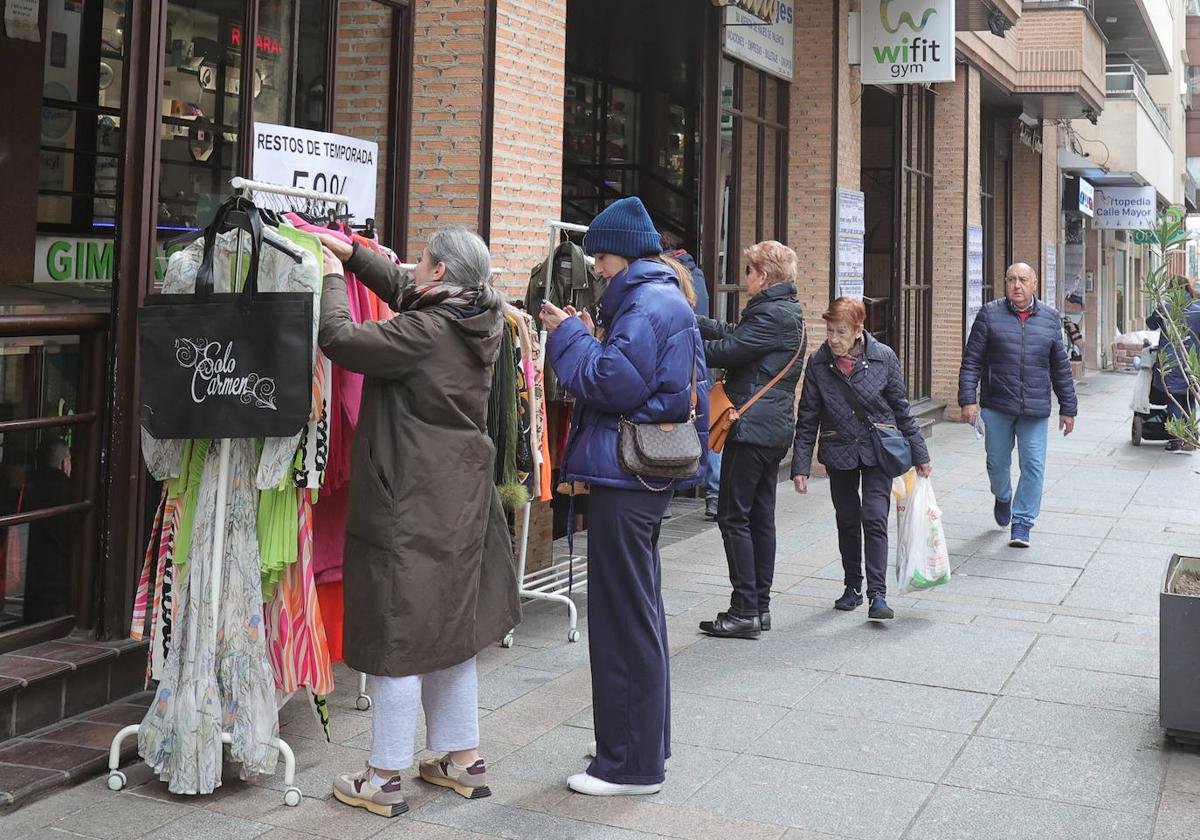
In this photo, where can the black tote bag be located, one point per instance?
(227, 365)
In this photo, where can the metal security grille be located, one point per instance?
(914, 326)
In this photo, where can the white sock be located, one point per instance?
(376, 779)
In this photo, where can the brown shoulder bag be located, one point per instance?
(722, 413)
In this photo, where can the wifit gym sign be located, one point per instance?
(907, 41)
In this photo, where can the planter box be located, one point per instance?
(1179, 655)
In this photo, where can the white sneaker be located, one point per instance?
(591, 786)
(591, 753)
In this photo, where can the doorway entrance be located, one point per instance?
(897, 179)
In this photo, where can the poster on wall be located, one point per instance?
(21, 19)
(769, 47)
(974, 275)
(907, 41)
(1074, 278)
(851, 245)
(1050, 286)
(1125, 208)
(318, 161)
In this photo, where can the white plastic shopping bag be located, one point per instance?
(922, 558)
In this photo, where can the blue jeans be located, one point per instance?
(712, 487)
(1001, 431)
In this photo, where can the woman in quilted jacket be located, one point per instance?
(644, 369)
(872, 371)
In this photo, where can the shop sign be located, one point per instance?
(764, 10)
(1125, 208)
(907, 41)
(768, 47)
(267, 45)
(1086, 198)
(73, 259)
(319, 161)
(21, 19)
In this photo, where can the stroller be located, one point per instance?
(1149, 401)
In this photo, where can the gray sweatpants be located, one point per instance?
(451, 701)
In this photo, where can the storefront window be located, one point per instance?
(752, 173)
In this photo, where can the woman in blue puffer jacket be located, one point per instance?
(644, 369)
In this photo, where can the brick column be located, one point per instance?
(956, 203)
(448, 64)
(1027, 205)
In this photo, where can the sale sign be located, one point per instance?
(319, 161)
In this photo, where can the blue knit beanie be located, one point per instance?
(624, 229)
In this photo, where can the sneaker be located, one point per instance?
(469, 782)
(1020, 536)
(591, 786)
(1003, 512)
(1176, 447)
(360, 790)
(851, 599)
(764, 619)
(710, 508)
(880, 611)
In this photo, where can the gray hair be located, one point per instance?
(52, 453)
(468, 263)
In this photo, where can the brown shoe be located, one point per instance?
(360, 791)
(470, 782)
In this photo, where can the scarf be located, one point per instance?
(415, 296)
(847, 362)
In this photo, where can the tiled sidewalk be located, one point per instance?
(1018, 703)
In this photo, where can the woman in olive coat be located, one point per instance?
(428, 574)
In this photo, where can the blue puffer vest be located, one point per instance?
(642, 370)
(1014, 364)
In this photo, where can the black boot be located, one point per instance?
(765, 620)
(710, 508)
(728, 626)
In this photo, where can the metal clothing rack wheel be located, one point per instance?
(557, 581)
(292, 795)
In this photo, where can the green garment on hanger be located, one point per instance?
(191, 474)
(278, 532)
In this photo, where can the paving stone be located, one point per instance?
(1085, 688)
(897, 702)
(650, 814)
(957, 814)
(826, 799)
(491, 818)
(206, 824)
(735, 679)
(1183, 772)
(951, 656)
(1006, 569)
(710, 721)
(1073, 727)
(938, 605)
(553, 659)
(502, 686)
(1086, 655)
(1176, 818)
(1113, 584)
(1127, 782)
(124, 815)
(905, 752)
(1011, 590)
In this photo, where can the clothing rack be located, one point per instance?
(292, 795)
(557, 581)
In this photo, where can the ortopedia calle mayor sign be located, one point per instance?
(907, 41)
(767, 10)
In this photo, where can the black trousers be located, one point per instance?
(627, 636)
(862, 519)
(746, 514)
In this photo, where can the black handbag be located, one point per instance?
(664, 451)
(228, 365)
(893, 453)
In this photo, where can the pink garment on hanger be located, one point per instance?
(329, 533)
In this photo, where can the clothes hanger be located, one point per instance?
(242, 205)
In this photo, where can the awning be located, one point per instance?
(764, 10)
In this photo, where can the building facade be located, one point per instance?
(735, 121)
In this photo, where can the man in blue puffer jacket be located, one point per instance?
(1013, 359)
(643, 369)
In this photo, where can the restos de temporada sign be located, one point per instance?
(907, 41)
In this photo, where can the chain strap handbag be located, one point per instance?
(665, 451)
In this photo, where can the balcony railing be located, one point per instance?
(1127, 81)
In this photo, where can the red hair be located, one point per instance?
(849, 311)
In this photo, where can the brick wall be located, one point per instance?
(955, 200)
(364, 45)
(811, 179)
(1027, 200)
(528, 133)
(448, 64)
